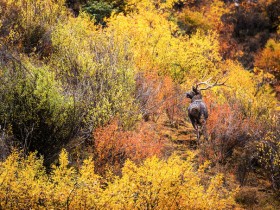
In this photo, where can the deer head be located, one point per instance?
(194, 94)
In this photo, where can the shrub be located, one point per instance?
(243, 142)
(27, 23)
(113, 145)
(167, 184)
(158, 95)
(228, 130)
(24, 182)
(99, 10)
(267, 62)
(97, 70)
(33, 107)
(247, 196)
(269, 158)
(156, 184)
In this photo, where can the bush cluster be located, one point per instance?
(155, 184)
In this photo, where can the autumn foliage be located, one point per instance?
(106, 80)
(154, 184)
(229, 131)
(159, 95)
(113, 145)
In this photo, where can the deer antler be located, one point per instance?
(209, 86)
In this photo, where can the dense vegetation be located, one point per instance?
(105, 81)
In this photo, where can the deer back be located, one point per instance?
(198, 108)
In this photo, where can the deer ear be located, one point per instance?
(193, 88)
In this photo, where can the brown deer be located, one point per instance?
(197, 109)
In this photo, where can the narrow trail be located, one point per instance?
(179, 137)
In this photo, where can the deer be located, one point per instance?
(197, 110)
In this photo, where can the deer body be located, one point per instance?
(197, 112)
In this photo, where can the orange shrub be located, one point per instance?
(228, 129)
(113, 145)
(158, 95)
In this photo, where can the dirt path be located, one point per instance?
(179, 137)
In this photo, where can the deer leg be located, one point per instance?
(197, 133)
(194, 124)
(204, 129)
(205, 133)
(203, 125)
(196, 127)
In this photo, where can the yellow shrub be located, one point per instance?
(37, 12)
(157, 45)
(172, 184)
(27, 23)
(155, 184)
(24, 183)
(244, 88)
(97, 68)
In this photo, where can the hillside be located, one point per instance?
(99, 101)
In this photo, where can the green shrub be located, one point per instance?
(34, 107)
